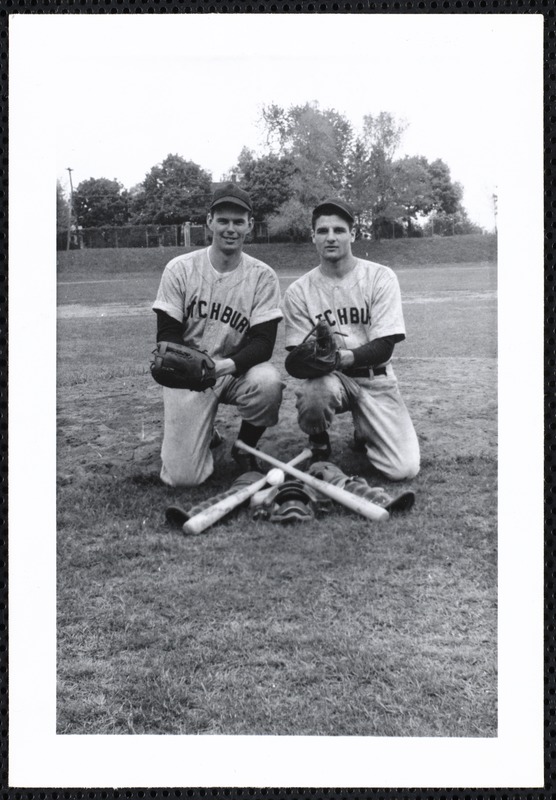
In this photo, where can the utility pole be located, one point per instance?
(69, 169)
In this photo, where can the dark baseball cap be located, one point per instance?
(231, 193)
(334, 204)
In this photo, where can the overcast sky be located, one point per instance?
(131, 90)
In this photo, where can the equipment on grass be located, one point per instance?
(178, 515)
(317, 354)
(217, 507)
(178, 366)
(359, 504)
(326, 471)
(292, 501)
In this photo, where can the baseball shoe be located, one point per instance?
(320, 449)
(358, 443)
(216, 439)
(246, 461)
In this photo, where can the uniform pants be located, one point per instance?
(189, 420)
(380, 417)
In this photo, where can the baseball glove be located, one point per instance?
(317, 354)
(180, 367)
(326, 471)
(292, 501)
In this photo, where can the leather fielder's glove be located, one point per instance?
(317, 354)
(181, 367)
(326, 471)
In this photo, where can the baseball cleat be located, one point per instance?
(320, 449)
(246, 461)
(358, 443)
(216, 440)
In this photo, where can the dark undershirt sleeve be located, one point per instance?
(258, 347)
(168, 329)
(376, 352)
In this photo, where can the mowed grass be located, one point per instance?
(398, 252)
(336, 627)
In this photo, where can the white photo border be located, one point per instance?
(39, 757)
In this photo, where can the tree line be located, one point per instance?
(310, 153)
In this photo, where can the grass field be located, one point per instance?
(337, 627)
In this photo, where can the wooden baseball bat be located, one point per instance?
(359, 504)
(204, 519)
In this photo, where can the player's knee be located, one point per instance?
(261, 395)
(403, 469)
(406, 472)
(271, 383)
(317, 393)
(264, 381)
(185, 471)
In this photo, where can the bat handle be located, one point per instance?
(303, 456)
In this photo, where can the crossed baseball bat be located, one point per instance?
(207, 517)
(355, 503)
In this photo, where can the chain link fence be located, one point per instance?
(185, 235)
(125, 236)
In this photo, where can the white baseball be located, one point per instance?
(275, 476)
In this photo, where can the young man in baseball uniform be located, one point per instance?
(361, 301)
(227, 303)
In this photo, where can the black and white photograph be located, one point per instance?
(285, 442)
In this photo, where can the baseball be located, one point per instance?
(275, 476)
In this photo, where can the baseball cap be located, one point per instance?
(231, 193)
(335, 203)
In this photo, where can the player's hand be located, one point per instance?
(224, 366)
(346, 359)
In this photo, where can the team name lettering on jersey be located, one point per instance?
(202, 309)
(347, 316)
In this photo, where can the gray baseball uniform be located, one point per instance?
(364, 305)
(216, 310)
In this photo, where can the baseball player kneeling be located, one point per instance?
(218, 311)
(343, 319)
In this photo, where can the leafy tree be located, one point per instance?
(360, 190)
(447, 195)
(62, 210)
(291, 222)
(381, 138)
(318, 141)
(99, 202)
(173, 192)
(383, 134)
(268, 179)
(412, 188)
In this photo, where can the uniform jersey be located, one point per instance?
(217, 309)
(363, 305)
